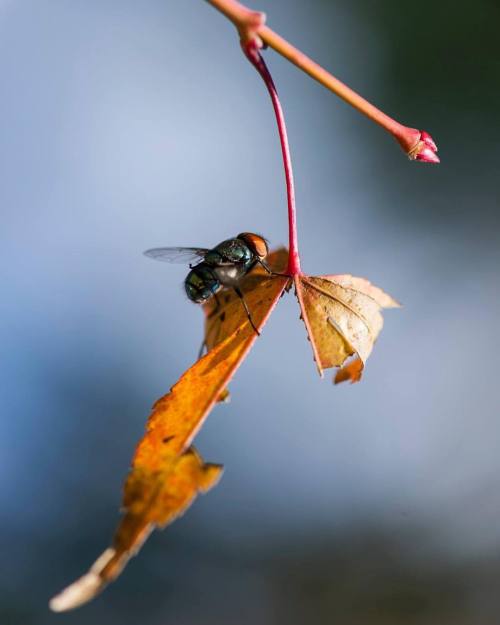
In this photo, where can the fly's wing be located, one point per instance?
(177, 254)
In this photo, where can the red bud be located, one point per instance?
(425, 149)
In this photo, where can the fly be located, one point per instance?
(223, 266)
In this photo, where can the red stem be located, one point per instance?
(252, 53)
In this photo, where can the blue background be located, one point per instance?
(128, 125)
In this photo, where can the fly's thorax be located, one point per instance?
(201, 283)
(228, 252)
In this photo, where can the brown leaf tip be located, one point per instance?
(351, 372)
(85, 588)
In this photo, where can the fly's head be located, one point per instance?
(256, 243)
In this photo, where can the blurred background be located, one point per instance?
(127, 125)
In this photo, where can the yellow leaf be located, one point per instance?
(342, 317)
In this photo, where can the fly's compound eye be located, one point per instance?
(256, 243)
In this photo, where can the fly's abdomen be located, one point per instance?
(201, 283)
(230, 275)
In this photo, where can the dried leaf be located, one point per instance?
(352, 371)
(151, 500)
(224, 315)
(165, 478)
(342, 317)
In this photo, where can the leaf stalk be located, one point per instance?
(251, 50)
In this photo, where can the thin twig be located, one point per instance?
(251, 26)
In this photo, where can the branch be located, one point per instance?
(417, 144)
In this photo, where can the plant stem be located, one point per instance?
(251, 51)
(251, 26)
(407, 137)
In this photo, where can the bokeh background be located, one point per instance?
(127, 125)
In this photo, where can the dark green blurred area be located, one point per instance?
(437, 65)
(440, 54)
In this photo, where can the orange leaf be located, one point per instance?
(151, 499)
(342, 317)
(224, 318)
(352, 371)
(165, 478)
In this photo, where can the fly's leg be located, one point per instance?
(270, 271)
(243, 301)
(202, 349)
(217, 302)
(214, 312)
(218, 306)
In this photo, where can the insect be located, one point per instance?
(222, 266)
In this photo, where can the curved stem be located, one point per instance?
(251, 51)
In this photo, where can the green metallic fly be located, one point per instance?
(223, 266)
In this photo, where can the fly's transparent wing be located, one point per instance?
(177, 254)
